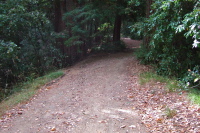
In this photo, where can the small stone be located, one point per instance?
(132, 126)
(123, 126)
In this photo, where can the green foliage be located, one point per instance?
(141, 54)
(171, 83)
(132, 31)
(26, 42)
(8, 59)
(171, 28)
(192, 79)
(110, 47)
(151, 76)
(38, 54)
(88, 26)
(132, 23)
(17, 17)
(80, 24)
(191, 25)
(93, 23)
(191, 83)
(194, 96)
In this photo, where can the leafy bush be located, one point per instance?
(8, 59)
(26, 42)
(191, 25)
(192, 79)
(172, 28)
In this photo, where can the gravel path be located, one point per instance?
(92, 97)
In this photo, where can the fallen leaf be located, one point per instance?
(49, 87)
(159, 120)
(131, 96)
(20, 112)
(123, 126)
(103, 121)
(53, 129)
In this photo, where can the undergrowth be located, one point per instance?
(170, 113)
(194, 96)
(25, 91)
(172, 85)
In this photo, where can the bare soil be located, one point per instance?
(92, 97)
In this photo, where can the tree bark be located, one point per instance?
(117, 24)
(117, 29)
(58, 22)
(146, 39)
(59, 26)
(148, 7)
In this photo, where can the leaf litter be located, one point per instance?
(161, 110)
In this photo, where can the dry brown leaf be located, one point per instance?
(49, 87)
(160, 120)
(131, 96)
(53, 129)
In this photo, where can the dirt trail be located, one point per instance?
(90, 98)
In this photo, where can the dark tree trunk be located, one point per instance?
(146, 39)
(148, 7)
(71, 4)
(59, 26)
(117, 29)
(117, 24)
(58, 22)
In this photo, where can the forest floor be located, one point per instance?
(102, 94)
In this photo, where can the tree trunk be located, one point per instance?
(59, 26)
(146, 39)
(58, 22)
(148, 7)
(117, 29)
(117, 24)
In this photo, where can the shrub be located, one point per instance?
(172, 28)
(27, 42)
(192, 78)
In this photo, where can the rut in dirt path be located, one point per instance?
(90, 98)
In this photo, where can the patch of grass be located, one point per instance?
(171, 84)
(194, 96)
(151, 76)
(170, 113)
(25, 91)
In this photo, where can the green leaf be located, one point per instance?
(195, 80)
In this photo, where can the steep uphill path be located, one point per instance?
(92, 97)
